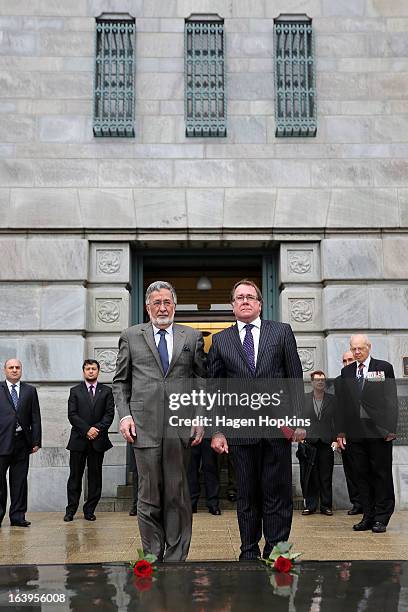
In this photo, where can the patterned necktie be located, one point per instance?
(162, 348)
(14, 396)
(91, 392)
(360, 377)
(248, 346)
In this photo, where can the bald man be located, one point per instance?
(369, 421)
(20, 435)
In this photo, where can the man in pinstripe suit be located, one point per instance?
(254, 349)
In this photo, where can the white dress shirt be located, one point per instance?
(17, 386)
(256, 330)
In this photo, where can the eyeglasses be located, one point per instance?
(158, 303)
(243, 298)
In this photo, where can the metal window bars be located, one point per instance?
(205, 99)
(295, 88)
(114, 78)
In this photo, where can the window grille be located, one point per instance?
(295, 89)
(205, 101)
(114, 75)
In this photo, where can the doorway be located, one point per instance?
(203, 280)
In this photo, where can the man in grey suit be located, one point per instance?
(154, 357)
(254, 349)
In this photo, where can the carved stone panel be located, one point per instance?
(310, 350)
(107, 359)
(104, 348)
(300, 262)
(108, 310)
(109, 262)
(301, 308)
(308, 358)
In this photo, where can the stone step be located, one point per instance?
(123, 503)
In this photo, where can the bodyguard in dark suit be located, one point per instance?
(90, 411)
(20, 435)
(320, 408)
(370, 414)
(248, 350)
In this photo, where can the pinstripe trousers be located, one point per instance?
(264, 494)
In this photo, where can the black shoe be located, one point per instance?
(214, 511)
(89, 517)
(363, 526)
(326, 511)
(355, 510)
(307, 512)
(68, 517)
(194, 508)
(379, 527)
(133, 512)
(23, 523)
(231, 497)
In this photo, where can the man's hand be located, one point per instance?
(341, 441)
(390, 437)
(299, 435)
(128, 430)
(197, 433)
(35, 449)
(92, 433)
(219, 443)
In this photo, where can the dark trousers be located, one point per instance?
(320, 480)
(226, 460)
(17, 464)
(372, 458)
(77, 462)
(264, 494)
(135, 479)
(351, 480)
(203, 455)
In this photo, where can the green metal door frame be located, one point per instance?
(268, 261)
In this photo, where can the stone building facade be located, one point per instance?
(76, 210)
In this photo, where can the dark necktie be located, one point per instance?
(91, 393)
(162, 348)
(14, 396)
(248, 346)
(360, 377)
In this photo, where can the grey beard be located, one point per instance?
(158, 322)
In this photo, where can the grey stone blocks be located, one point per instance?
(29, 259)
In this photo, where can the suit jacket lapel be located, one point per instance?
(21, 398)
(7, 393)
(178, 344)
(148, 336)
(263, 341)
(97, 395)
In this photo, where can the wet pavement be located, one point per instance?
(315, 586)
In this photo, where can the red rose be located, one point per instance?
(283, 580)
(143, 584)
(282, 564)
(143, 569)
